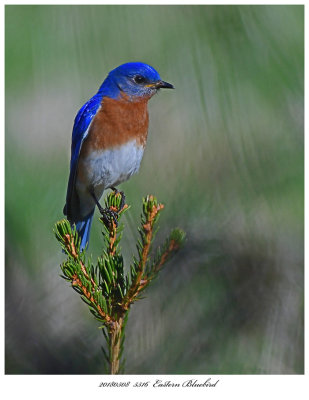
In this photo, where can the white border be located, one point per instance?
(84, 386)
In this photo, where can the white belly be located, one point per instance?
(103, 169)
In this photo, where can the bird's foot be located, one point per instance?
(109, 216)
(112, 213)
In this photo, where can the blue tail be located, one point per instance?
(83, 229)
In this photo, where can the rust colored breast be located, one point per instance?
(116, 123)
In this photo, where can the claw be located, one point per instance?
(108, 215)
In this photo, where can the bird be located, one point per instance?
(108, 140)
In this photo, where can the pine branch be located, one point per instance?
(151, 211)
(171, 245)
(104, 287)
(75, 270)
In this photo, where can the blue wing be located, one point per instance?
(80, 130)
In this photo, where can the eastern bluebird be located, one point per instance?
(108, 140)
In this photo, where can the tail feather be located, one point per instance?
(83, 228)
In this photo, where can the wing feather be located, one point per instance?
(81, 127)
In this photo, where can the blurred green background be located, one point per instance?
(225, 155)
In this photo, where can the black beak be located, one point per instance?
(164, 85)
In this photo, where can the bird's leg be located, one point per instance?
(123, 198)
(107, 214)
(101, 209)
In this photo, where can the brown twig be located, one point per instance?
(140, 280)
(146, 279)
(173, 246)
(115, 345)
(77, 282)
(112, 238)
(71, 248)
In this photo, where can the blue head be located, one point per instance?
(136, 80)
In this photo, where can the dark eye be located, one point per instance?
(139, 79)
